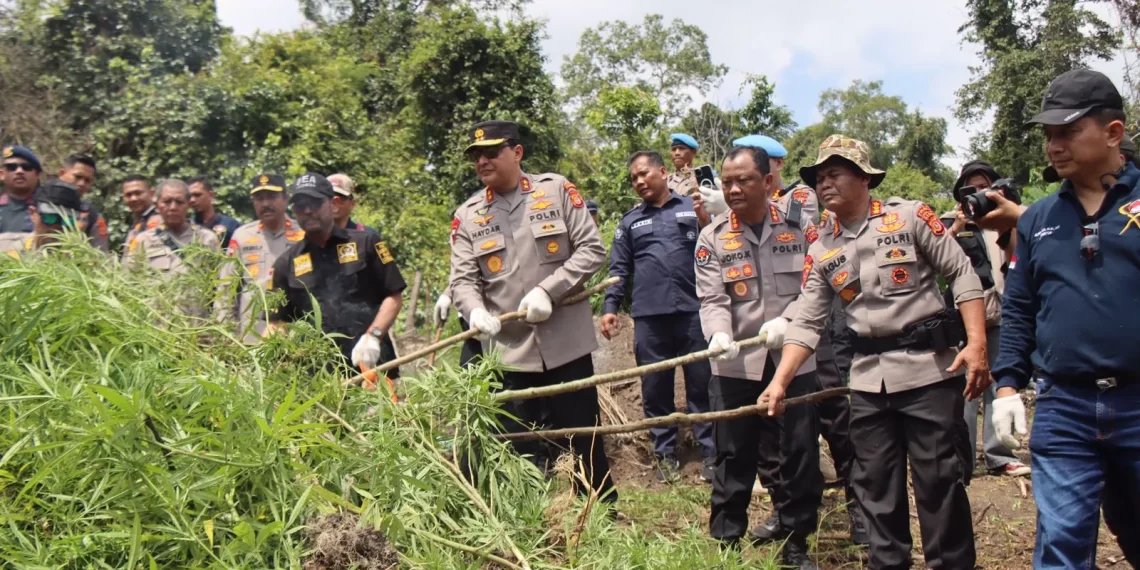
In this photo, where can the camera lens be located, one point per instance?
(977, 205)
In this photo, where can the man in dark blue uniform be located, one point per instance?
(202, 197)
(1069, 319)
(653, 247)
(21, 176)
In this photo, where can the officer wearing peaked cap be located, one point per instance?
(748, 266)
(832, 367)
(524, 243)
(883, 259)
(255, 247)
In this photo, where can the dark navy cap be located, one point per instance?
(17, 151)
(313, 185)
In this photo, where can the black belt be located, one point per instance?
(936, 333)
(1102, 380)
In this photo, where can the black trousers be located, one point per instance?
(924, 426)
(792, 440)
(661, 337)
(835, 419)
(574, 409)
(471, 347)
(1120, 504)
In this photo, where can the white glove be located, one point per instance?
(537, 305)
(713, 199)
(775, 329)
(486, 324)
(442, 310)
(366, 352)
(721, 341)
(1009, 412)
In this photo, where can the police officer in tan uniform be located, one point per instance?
(256, 246)
(682, 150)
(160, 247)
(882, 259)
(784, 193)
(749, 263)
(524, 243)
(54, 206)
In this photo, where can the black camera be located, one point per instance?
(976, 204)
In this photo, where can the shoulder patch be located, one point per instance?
(703, 255)
(811, 234)
(454, 229)
(382, 251)
(575, 197)
(801, 195)
(926, 214)
(808, 264)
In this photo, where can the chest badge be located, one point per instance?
(538, 194)
(494, 264)
(730, 236)
(896, 254)
(302, 264)
(830, 254)
(740, 288)
(891, 223)
(900, 276)
(483, 220)
(1132, 212)
(840, 278)
(690, 235)
(552, 247)
(785, 237)
(294, 235)
(346, 252)
(488, 245)
(747, 270)
(732, 273)
(542, 205)
(733, 244)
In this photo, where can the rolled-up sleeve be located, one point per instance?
(1014, 366)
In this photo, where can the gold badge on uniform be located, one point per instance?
(732, 273)
(346, 252)
(483, 220)
(131, 247)
(302, 264)
(253, 240)
(552, 247)
(840, 278)
(494, 264)
(748, 270)
(900, 276)
(253, 258)
(786, 237)
(254, 269)
(542, 205)
(741, 288)
(891, 223)
(382, 251)
(848, 293)
(733, 244)
(538, 194)
(830, 254)
(1131, 211)
(548, 227)
(730, 236)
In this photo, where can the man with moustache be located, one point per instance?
(524, 243)
(748, 266)
(883, 260)
(349, 274)
(256, 247)
(653, 246)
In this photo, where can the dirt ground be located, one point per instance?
(1003, 507)
(1004, 511)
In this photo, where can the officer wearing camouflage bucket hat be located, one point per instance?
(910, 373)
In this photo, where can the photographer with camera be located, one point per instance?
(1070, 299)
(986, 252)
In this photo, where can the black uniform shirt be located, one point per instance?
(349, 277)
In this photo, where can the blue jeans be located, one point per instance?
(1080, 433)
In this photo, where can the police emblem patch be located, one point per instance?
(900, 276)
(494, 264)
(740, 288)
(552, 247)
(302, 264)
(704, 256)
(382, 251)
(346, 252)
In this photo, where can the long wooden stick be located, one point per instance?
(472, 333)
(435, 339)
(677, 419)
(599, 379)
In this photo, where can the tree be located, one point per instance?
(714, 128)
(668, 62)
(864, 112)
(1024, 45)
(906, 181)
(761, 115)
(922, 145)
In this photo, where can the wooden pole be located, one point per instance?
(435, 339)
(677, 419)
(531, 393)
(472, 333)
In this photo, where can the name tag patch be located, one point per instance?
(302, 264)
(686, 214)
(640, 224)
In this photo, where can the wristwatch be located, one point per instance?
(376, 332)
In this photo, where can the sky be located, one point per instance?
(804, 46)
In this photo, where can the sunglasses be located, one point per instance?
(1090, 242)
(491, 153)
(307, 204)
(14, 166)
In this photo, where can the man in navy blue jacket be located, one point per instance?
(1070, 319)
(653, 246)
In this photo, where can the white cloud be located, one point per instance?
(249, 16)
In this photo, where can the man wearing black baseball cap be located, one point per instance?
(54, 207)
(350, 273)
(1068, 319)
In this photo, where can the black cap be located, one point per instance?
(17, 151)
(492, 133)
(592, 206)
(58, 197)
(313, 185)
(975, 167)
(1073, 94)
(268, 183)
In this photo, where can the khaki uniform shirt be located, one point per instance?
(256, 250)
(744, 280)
(886, 275)
(15, 243)
(147, 221)
(149, 246)
(504, 245)
(683, 182)
(805, 195)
